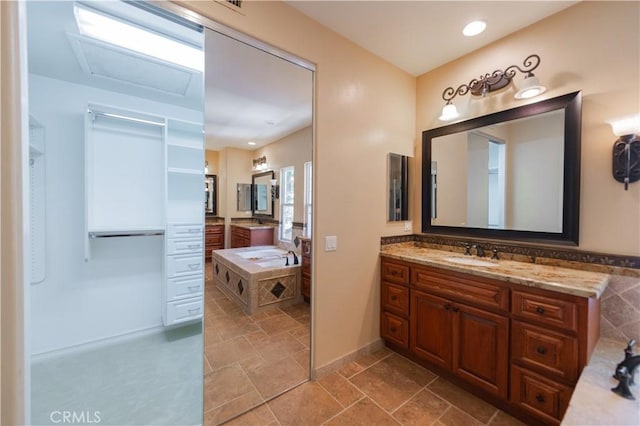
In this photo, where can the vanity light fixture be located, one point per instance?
(626, 150)
(275, 189)
(260, 163)
(496, 80)
(251, 143)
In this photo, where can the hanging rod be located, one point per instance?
(111, 234)
(124, 117)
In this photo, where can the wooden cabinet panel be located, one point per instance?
(481, 348)
(306, 269)
(553, 311)
(394, 272)
(213, 238)
(395, 298)
(544, 350)
(245, 237)
(395, 329)
(430, 333)
(474, 290)
(539, 396)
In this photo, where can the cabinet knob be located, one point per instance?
(540, 398)
(394, 273)
(455, 309)
(394, 297)
(541, 350)
(447, 306)
(393, 329)
(540, 310)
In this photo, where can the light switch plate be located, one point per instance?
(407, 225)
(330, 243)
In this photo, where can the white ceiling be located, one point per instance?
(418, 36)
(254, 96)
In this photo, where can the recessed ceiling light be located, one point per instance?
(474, 28)
(251, 143)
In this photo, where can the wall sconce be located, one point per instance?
(496, 80)
(626, 150)
(275, 189)
(260, 163)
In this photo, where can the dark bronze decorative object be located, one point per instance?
(626, 160)
(624, 372)
(492, 81)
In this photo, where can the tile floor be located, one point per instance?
(249, 359)
(380, 389)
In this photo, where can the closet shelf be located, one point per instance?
(185, 171)
(126, 233)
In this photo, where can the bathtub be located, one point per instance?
(256, 278)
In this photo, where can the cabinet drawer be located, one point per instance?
(538, 395)
(184, 230)
(395, 298)
(545, 350)
(213, 229)
(395, 329)
(394, 272)
(553, 311)
(182, 288)
(212, 240)
(184, 246)
(463, 287)
(184, 310)
(184, 265)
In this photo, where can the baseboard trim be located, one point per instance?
(317, 373)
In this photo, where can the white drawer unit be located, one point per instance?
(182, 265)
(185, 230)
(175, 246)
(182, 288)
(184, 310)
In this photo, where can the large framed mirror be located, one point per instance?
(211, 194)
(514, 174)
(261, 197)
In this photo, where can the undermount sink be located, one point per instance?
(469, 261)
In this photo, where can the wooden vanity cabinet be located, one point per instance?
(519, 347)
(469, 341)
(246, 237)
(306, 269)
(213, 238)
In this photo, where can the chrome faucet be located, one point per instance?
(624, 372)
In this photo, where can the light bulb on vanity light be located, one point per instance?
(530, 87)
(449, 112)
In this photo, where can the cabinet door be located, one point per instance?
(480, 348)
(431, 328)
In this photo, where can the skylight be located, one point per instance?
(114, 31)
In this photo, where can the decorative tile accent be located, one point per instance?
(620, 310)
(240, 287)
(217, 269)
(278, 289)
(296, 241)
(265, 294)
(227, 277)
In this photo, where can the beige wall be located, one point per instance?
(212, 158)
(364, 109)
(593, 47)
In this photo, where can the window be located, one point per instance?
(287, 190)
(308, 198)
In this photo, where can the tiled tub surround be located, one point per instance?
(592, 402)
(256, 278)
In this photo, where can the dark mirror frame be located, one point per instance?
(271, 175)
(572, 105)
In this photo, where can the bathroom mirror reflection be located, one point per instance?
(397, 187)
(211, 194)
(515, 173)
(244, 197)
(262, 201)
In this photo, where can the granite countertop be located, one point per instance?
(592, 402)
(554, 278)
(252, 225)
